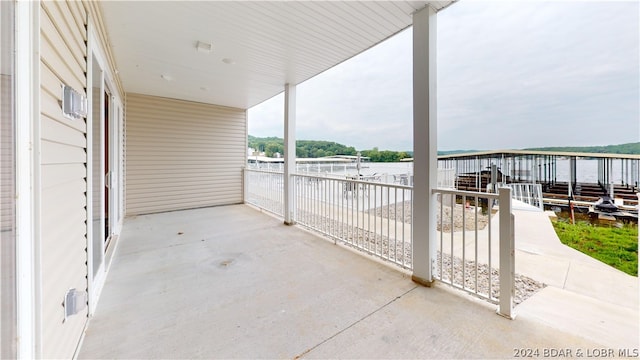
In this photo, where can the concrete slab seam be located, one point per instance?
(566, 276)
(354, 323)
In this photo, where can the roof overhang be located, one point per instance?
(255, 47)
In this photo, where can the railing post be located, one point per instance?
(245, 184)
(507, 254)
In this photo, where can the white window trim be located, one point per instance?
(94, 48)
(94, 284)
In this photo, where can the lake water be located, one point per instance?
(586, 170)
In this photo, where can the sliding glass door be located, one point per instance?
(98, 220)
(104, 195)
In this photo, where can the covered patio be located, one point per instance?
(233, 282)
(187, 94)
(133, 237)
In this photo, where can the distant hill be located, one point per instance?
(304, 148)
(315, 148)
(627, 149)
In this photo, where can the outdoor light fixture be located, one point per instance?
(204, 47)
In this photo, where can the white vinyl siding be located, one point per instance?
(182, 154)
(63, 172)
(7, 194)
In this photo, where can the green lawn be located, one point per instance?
(614, 246)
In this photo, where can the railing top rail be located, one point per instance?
(263, 171)
(354, 181)
(467, 193)
(520, 184)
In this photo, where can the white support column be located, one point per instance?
(289, 152)
(425, 150)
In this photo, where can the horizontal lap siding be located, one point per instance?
(63, 176)
(7, 190)
(182, 155)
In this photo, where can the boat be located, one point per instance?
(606, 204)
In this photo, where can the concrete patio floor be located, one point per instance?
(232, 282)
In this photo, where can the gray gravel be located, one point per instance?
(401, 254)
(461, 215)
(525, 287)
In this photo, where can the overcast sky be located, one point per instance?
(510, 76)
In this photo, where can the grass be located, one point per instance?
(614, 246)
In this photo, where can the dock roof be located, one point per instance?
(515, 153)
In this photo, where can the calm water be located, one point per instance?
(587, 170)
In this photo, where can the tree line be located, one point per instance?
(376, 155)
(627, 149)
(623, 149)
(315, 148)
(271, 146)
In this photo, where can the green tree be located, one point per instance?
(272, 148)
(314, 148)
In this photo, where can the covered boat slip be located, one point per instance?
(580, 176)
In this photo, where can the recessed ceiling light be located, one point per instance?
(166, 77)
(228, 61)
(204, 47)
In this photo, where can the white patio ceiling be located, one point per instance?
(257, 47)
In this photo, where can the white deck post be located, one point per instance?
(507, 254)
(289, 152)
(245, 183)
(425, 150)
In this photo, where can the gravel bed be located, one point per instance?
(370, 242)
(401, 254)
(525, 287)
(402, 212)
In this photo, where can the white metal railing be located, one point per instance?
(265, 189)
(371, 216)
(527, 193)
(375, 217)
(307, 168)
(469, 248)
(446, 178)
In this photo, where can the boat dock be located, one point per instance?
(562, 180)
